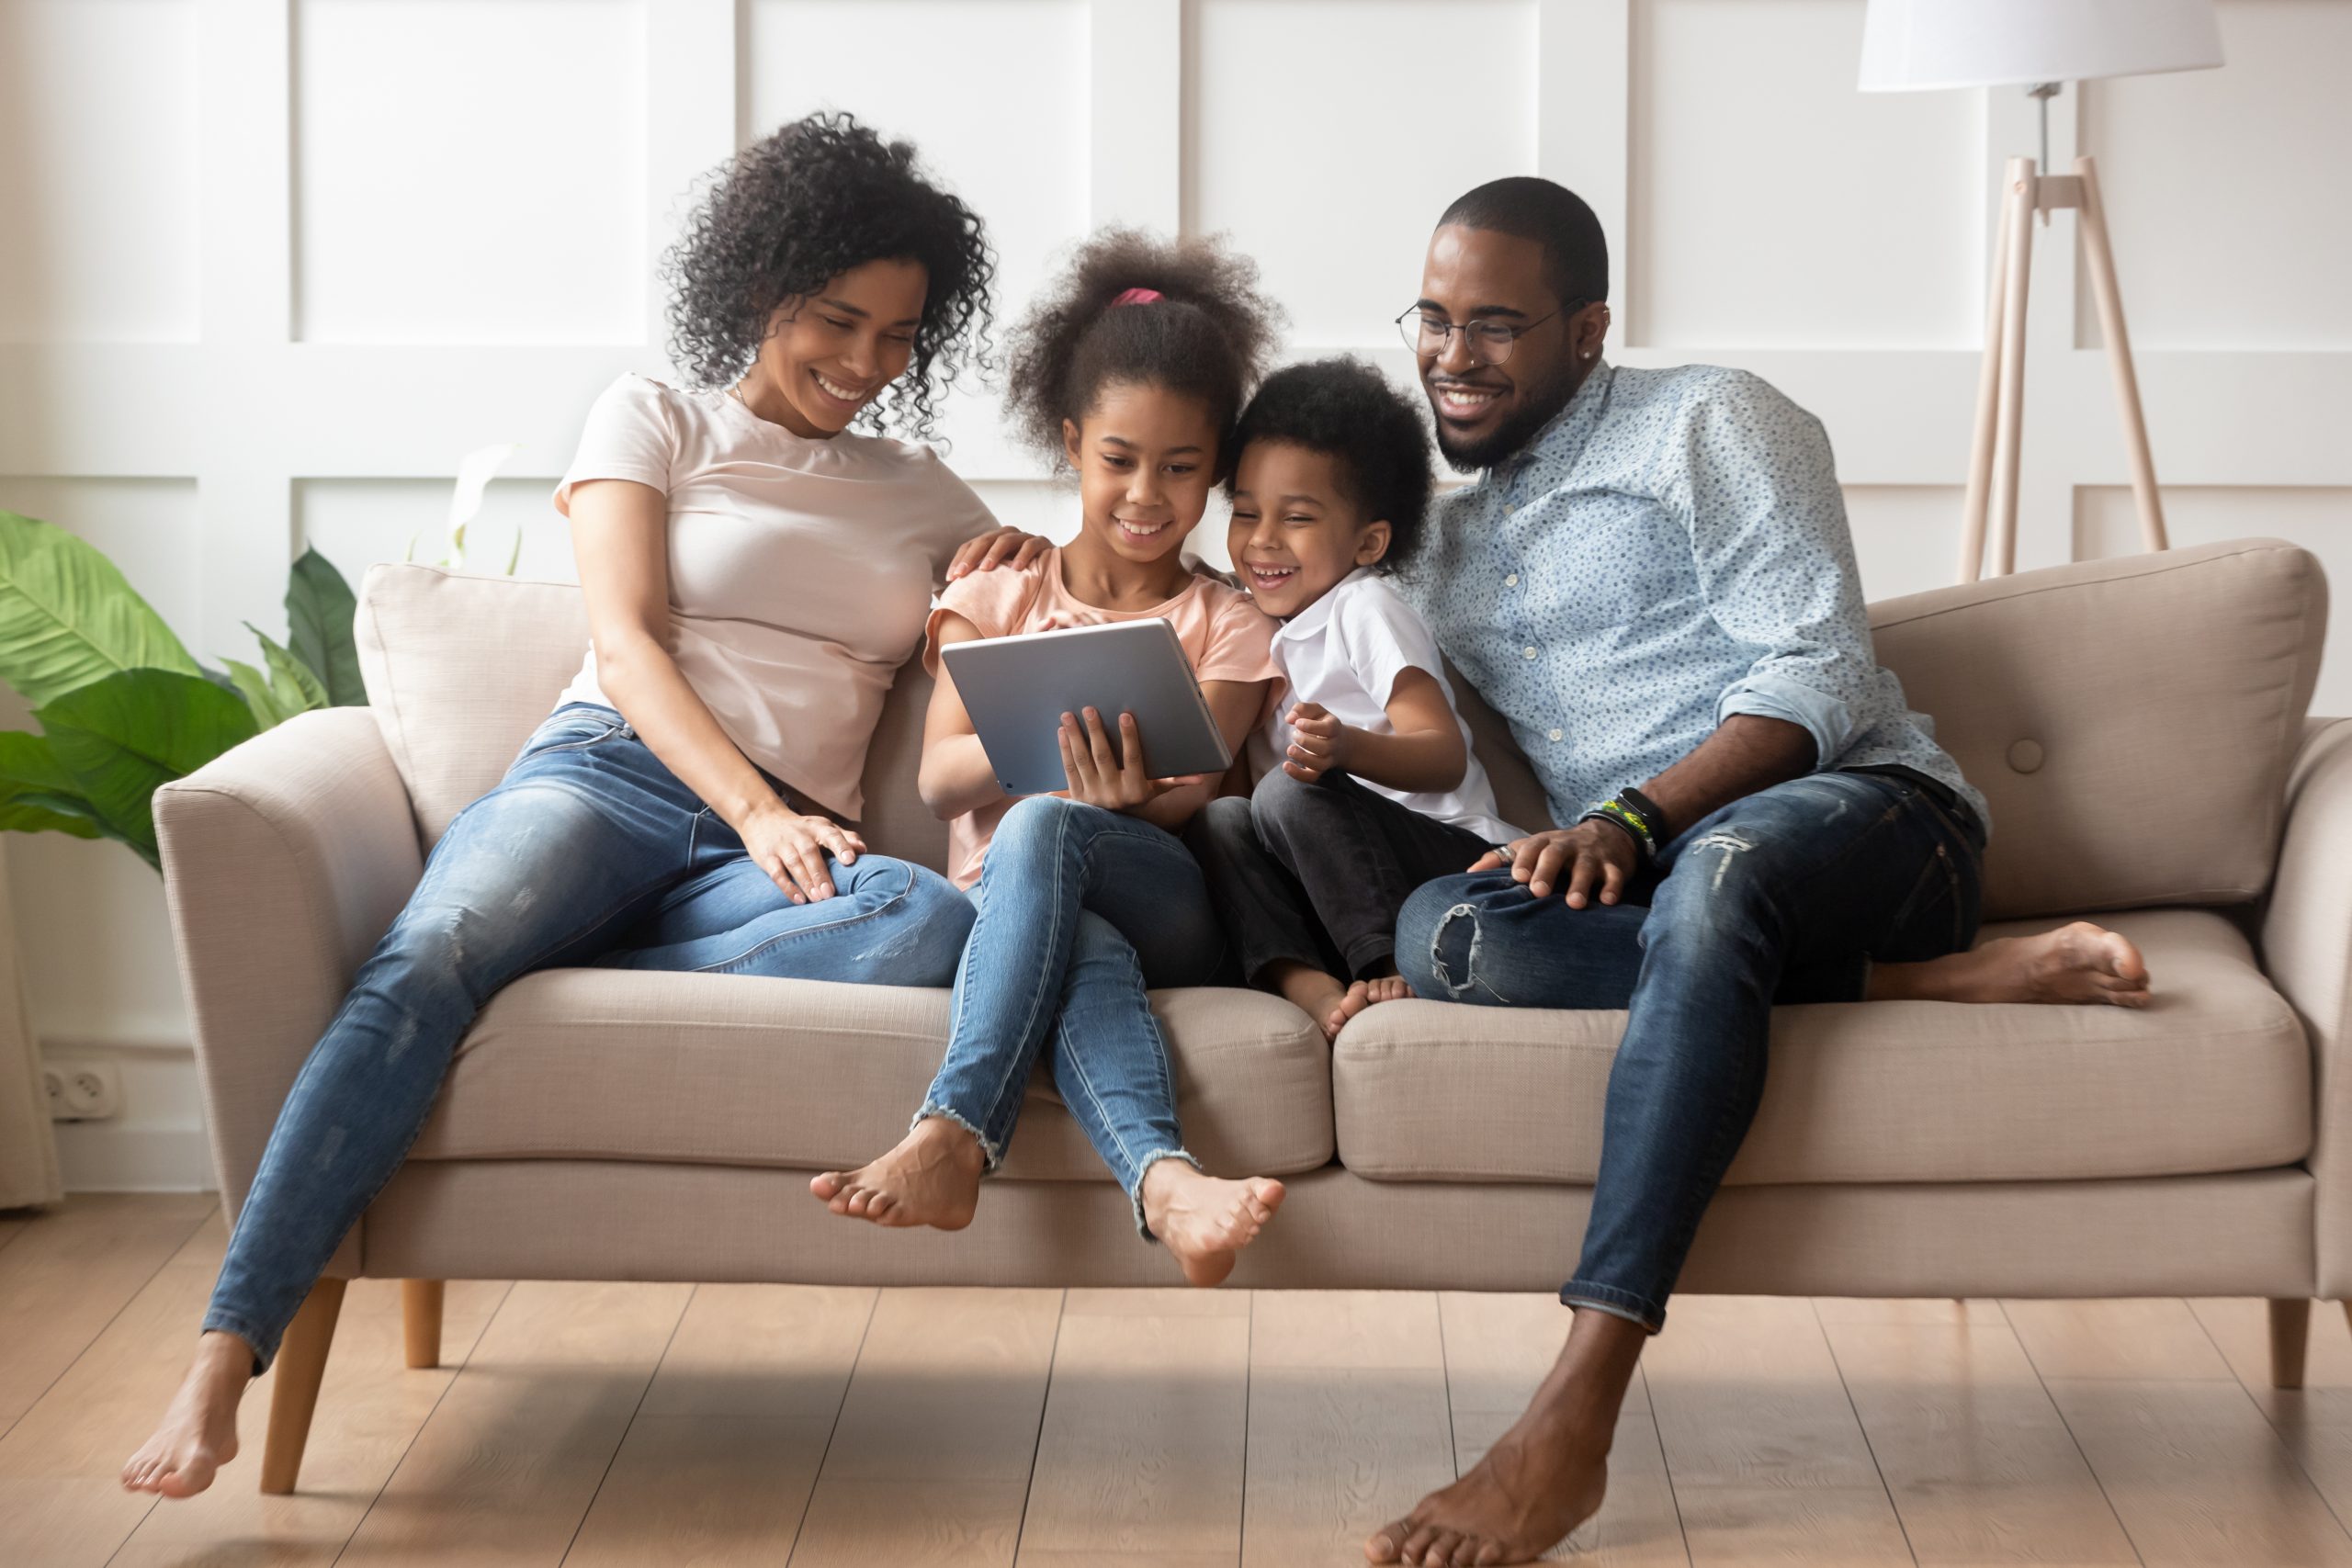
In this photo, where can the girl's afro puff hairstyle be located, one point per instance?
(819, 197)
(1208, 335)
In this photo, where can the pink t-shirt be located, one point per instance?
(1225, 636)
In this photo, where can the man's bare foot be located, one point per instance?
(1536, 1484)
(199, 1430)
(933, 1178)
(1330, 1002)
(1202, 1221)
(2078, 963)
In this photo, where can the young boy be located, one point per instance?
(1376, 790)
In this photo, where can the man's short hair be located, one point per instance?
(1576, 254)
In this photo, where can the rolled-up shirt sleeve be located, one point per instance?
(1776, 561)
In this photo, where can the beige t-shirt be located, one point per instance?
(800, 571)
(1223, 635)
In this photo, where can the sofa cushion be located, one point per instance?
(2213, 1077)
(729, 1069)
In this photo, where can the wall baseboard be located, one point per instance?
(160, 1145)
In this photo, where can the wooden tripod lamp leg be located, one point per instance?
(421, 1321)
(2009, 419)
(2101, 259)
(1988, 382)
(301, 1363)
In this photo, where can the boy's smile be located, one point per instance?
(1295, 533)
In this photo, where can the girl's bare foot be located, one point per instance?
(199, 1430)
(1205, 1222)
(933, 1178)
(2076, 964)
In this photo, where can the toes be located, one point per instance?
(1418, 1544)
(1440, 1549)
(1387, 1541)
(827, 1184)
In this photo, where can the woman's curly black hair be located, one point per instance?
(1373, 433)
(786, 214)
(1208, 335)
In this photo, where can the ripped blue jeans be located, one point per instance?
(589, 852)
(1785, 896)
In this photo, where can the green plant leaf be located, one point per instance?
(254, 686)
(68, 618)
(37, 794)
(291, 684)
(319, 611)
(121, 737)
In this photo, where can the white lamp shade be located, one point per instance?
(1909, 44)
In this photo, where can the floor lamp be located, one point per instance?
(2042, 45)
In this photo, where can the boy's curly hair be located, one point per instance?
(786, 214)
(1208, 335)
(1373, 433)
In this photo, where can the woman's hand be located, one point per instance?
(1002, 546)
(1098, 778)
(1596, 855)
(792, 848)
(1319, 743)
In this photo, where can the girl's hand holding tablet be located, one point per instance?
(1097, 777)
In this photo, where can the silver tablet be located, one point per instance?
(1017, 688)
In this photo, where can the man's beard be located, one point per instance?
(1543, 401)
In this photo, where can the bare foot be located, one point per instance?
(199, 1430)
(1205, 1222)
(933, 1178)
(2076, 964)
(1364, 994)
(1532, 1488)
(1317, 995)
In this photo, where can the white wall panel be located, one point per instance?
(147, 527)
(1772, 204)
(2228, 192)
(98, 171)
(1906, 538)
(470, 170)
(1326, 138)
(357, 523)
(2318, 517)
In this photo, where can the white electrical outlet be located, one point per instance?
(82, 1090)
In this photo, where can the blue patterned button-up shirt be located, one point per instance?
(1671, 550)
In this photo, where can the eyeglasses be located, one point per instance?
(1490, 340)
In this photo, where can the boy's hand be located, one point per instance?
(1319, 743)
(1098, 778)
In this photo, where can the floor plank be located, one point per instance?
(1141, 1452)
(2240, 1327)
(1348, 1421)
(1767, 1457)
(69, 1269)
(505, 1469)
(718, 1464)
(1498, 1348)
(1982, 1468)
(930, 1462)
(2151, 1338)
(2198, 1476)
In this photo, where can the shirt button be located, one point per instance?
(1555, 735)
(1511, 581)
(1528, 652)
(1509, 507)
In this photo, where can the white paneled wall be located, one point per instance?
(271, 266)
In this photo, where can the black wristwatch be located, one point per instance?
(1637, 816)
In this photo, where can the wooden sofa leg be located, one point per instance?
(2291, 1322)
(421, 1321)
(301, 1363)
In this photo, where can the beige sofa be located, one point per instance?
(2138, 726)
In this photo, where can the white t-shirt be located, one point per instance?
(1345, 651)
(800, 571)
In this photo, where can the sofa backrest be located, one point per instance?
(2129, 721)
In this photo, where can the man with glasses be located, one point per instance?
(1653, 582)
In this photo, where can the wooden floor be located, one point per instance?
(621, 1426)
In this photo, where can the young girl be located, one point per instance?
(1377, 791)
(1131, 375)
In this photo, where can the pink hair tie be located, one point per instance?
(1137, 296)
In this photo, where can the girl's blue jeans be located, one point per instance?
(1080, 910)
(589, 851)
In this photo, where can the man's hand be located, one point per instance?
(1001, 546)
(1596, 856)
(1098, 778)
(1319, 744)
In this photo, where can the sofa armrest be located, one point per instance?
(2307, 952)
(285, 861)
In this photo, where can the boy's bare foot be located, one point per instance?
(199, 1434)
(933, 1178)
(1205, 1222)
(1362, 995)
(1330, 1002)
(2078, 963)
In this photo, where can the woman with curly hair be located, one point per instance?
(1131, 374)
(754, 572)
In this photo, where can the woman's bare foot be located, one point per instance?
(933, 1178)
(1330, 1003)
(1205, 1222)
(199, 1430)
(2078, 963)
